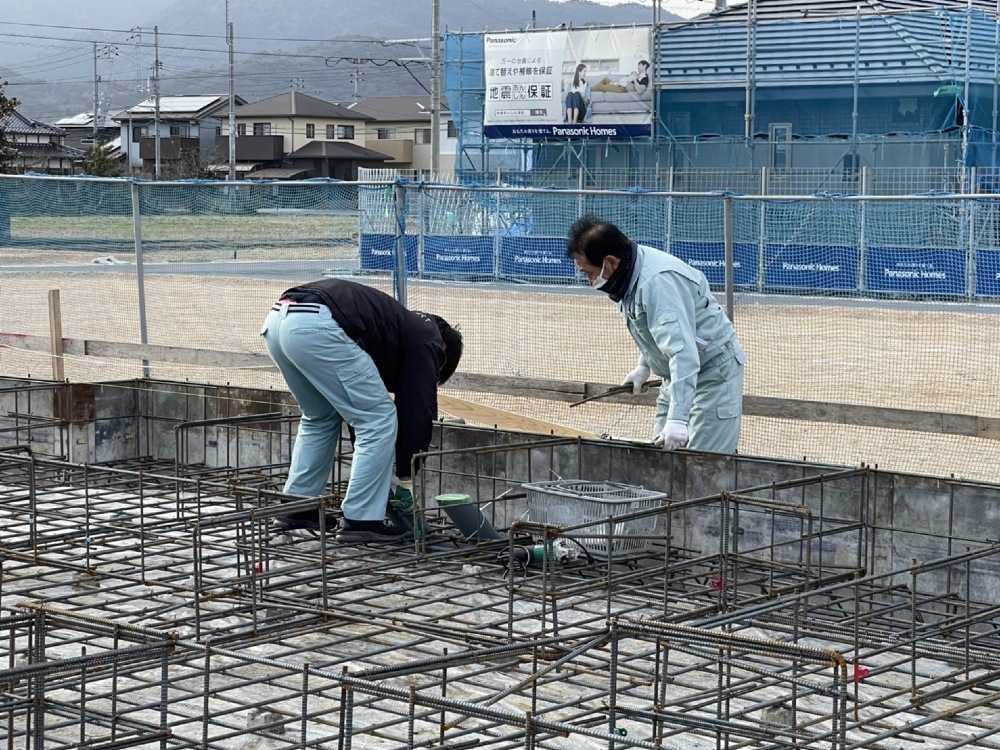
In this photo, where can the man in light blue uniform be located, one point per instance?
(342, 348)
(682, 333)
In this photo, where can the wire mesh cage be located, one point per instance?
(573, 502)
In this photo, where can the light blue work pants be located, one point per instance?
(333, 380)
(717, 408)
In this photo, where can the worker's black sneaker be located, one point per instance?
(369, 531)
(304, 519)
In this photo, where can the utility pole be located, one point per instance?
(108, 50)
(232, 100)
(296, 83)
(136, 38)
(156, 96)
(357, 79)
(97, 104)
(435, 88)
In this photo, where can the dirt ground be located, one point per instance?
(940, 360)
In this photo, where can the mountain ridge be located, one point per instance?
(275, 51)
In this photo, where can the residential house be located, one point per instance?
(401, 126)
(183, 129)
(39, 147)
(297, 136)
(81, 133)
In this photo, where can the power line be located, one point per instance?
(190, 72)
(168, 33)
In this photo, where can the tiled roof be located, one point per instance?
(335, 150)
(398, 108)
(827, 42)
(47, 151)
(17, 123)
(179, 107)
(297, 104)
(86, 120)
(775, 10)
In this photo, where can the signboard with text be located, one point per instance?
(812, 266)
(588, 83)
(378, 252)
(458, 255)
(916, 270)
(542, 257)
(710, 259)
(988, 273)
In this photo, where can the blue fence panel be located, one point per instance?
(988, 273)
(710, 259)
(378, 252)
(458, 255)
(535, 257)
(917, 271)
(811, 267)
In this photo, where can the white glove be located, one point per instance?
(673, 436)
(637, 377)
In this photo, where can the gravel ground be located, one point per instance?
(940, 360)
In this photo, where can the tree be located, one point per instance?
(99, 162)
(7, 107)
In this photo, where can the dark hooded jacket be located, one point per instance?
(405, 345)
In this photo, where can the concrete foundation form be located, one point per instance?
(147, 600)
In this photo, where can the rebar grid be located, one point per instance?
(552, 692)
(298, 642)
(632, 683)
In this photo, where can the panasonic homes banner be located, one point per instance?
(568, 84)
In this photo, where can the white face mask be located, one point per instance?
(600, 281)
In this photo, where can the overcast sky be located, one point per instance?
(683, 8)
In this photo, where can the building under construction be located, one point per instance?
(558, 592)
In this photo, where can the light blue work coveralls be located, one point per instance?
(333, 380)
(686, 339)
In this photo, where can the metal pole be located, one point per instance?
(762, 230)
(140, 278)
(862, 280)
(156, 98)
(996, 65)
(96, 95)
(435, 89)
(751, 64)
(128, 144)
(232, 99)
(400, 210)
(966, 126)
(728, 240)
(136, 38)
(857, 85)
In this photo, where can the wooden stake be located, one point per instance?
(55, 336)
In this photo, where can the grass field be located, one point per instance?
(184, 227)
(179, 238)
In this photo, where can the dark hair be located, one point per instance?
(643, 62)
(595, 240)
(452, 348)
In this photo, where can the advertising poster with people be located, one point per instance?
(594, 83)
